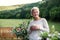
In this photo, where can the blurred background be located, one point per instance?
(13, 13)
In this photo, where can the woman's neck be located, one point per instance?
(37, 18)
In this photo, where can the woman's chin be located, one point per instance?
(35, 16)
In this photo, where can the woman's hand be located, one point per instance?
(33, 28)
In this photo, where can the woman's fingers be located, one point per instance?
(34, 28)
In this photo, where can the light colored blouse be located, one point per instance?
(42, 23)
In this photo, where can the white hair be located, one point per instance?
(36, 9)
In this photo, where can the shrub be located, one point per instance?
(21, 31)
(55, 13)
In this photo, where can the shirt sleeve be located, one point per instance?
(28, 29)
(45, 25)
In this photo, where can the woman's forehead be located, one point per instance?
(35, 10)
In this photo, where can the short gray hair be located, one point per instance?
(35, 8)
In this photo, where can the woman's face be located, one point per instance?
(35, 13)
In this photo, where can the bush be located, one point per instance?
(21, 31)
(55, 13)
(53, 35)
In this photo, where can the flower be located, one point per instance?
(18, 29)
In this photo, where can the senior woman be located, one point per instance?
(37, 26)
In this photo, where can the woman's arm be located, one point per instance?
(28, 29)
(45, 25)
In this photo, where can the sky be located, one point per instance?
(14, 2)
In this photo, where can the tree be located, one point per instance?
(55, 13)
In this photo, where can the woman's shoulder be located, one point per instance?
(43, 19)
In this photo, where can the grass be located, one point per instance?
(10, 39)
(11, 22)
(2, 8)
(56, 24)
(16, 22)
